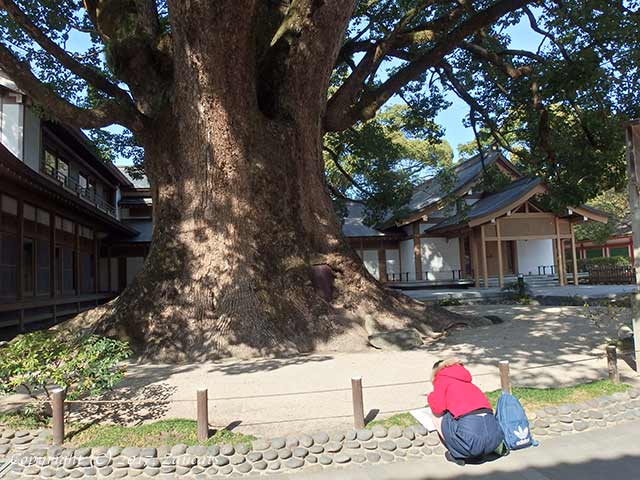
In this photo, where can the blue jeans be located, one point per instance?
(471, 436)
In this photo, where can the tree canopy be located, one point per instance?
(558, 109)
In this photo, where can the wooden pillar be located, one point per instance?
(483, 249)
(77, 257)
(19, 252)
(500, 261)
(474, 258)
(574, 256)
(382, 262)
(109, 289)
(560, 269)
(417, 250)
(96, 263)
(52, 254)
(633, 175)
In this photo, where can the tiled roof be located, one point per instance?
(354, 225)
(138, 182)
(491, 203)
(433, 191)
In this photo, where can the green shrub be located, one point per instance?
(586, 263)
(450, 301)
(81, 365)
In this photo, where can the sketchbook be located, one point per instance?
(424, 417)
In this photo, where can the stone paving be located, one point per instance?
(32, 456)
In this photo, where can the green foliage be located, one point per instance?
(493, 180)
(616, 205)
(522, 291)
(82, 365)
(450, 301)
(586, 263)
(380, 161)
(163, 432)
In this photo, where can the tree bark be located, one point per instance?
(242, 215)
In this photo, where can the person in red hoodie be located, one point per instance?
(463, 414)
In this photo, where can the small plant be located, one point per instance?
(450, 301)
(82, 365)
(522, 291)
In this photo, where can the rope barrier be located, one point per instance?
(307, 392)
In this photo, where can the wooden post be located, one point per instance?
(203, 414)
(417, 250)
(474, 258)
(500, 262)
(57, 409)
(77, 271)
(382, 263)
(505, 381)
(574, 256)
(612, 364)
(483, 249)
(19, 252)
(52, 254)
(560, 269)
(633, 174)
(358, 406)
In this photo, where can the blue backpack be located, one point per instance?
(514, 423)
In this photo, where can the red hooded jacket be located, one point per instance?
(454, 392)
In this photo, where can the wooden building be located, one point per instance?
(462, 235)
(64, 246)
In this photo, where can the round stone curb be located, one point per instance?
(33, 457)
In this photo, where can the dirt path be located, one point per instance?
(306, 393)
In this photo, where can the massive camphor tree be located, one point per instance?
(230, 100)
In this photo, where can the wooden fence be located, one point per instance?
(611, 274)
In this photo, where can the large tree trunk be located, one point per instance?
(242, 213)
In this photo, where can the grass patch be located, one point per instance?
(23, 421)
(163, 432)
(401, 420)
(531, 399)
(536, 398)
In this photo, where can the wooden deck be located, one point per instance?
(20, 314)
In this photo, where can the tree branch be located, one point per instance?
(138, 54)
(108, 113)
(497, 60)
(336, 162)
(536, 28)
(462, 92)
(87, 73)
(341, 195)
(376, 52)
(339, 118)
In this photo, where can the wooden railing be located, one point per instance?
(412, 277)
(85, 193)
(611, 274)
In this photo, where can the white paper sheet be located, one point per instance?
(424, 417)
